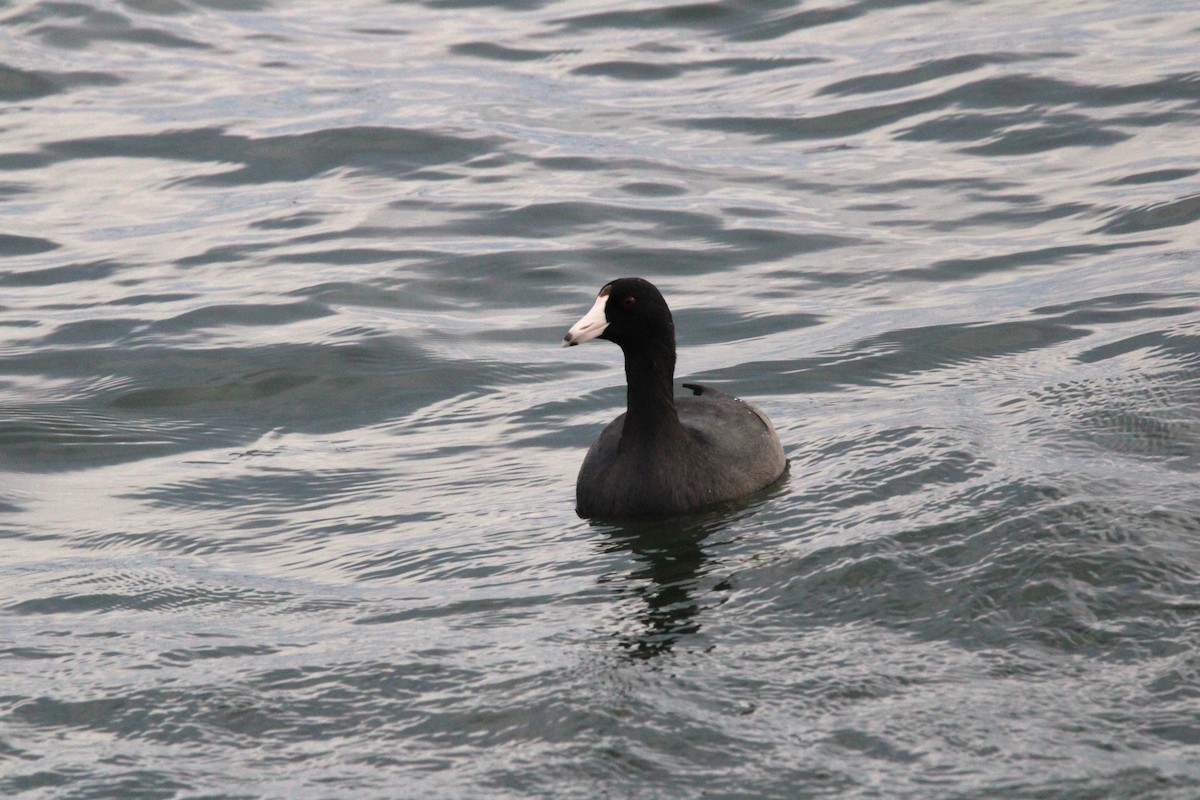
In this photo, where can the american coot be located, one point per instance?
(666, 455)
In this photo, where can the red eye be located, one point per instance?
(629, 302)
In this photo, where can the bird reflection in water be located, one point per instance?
(672, 562)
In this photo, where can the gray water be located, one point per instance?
(288, 445)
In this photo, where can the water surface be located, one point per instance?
(287, 444)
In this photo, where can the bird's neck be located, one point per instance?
(650, 395)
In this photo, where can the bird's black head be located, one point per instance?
(629, 312)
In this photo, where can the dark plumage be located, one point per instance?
(666, 455)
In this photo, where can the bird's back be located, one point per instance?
(727, 449)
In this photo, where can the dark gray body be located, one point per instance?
(726, 449)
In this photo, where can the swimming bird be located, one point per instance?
(666, 454)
